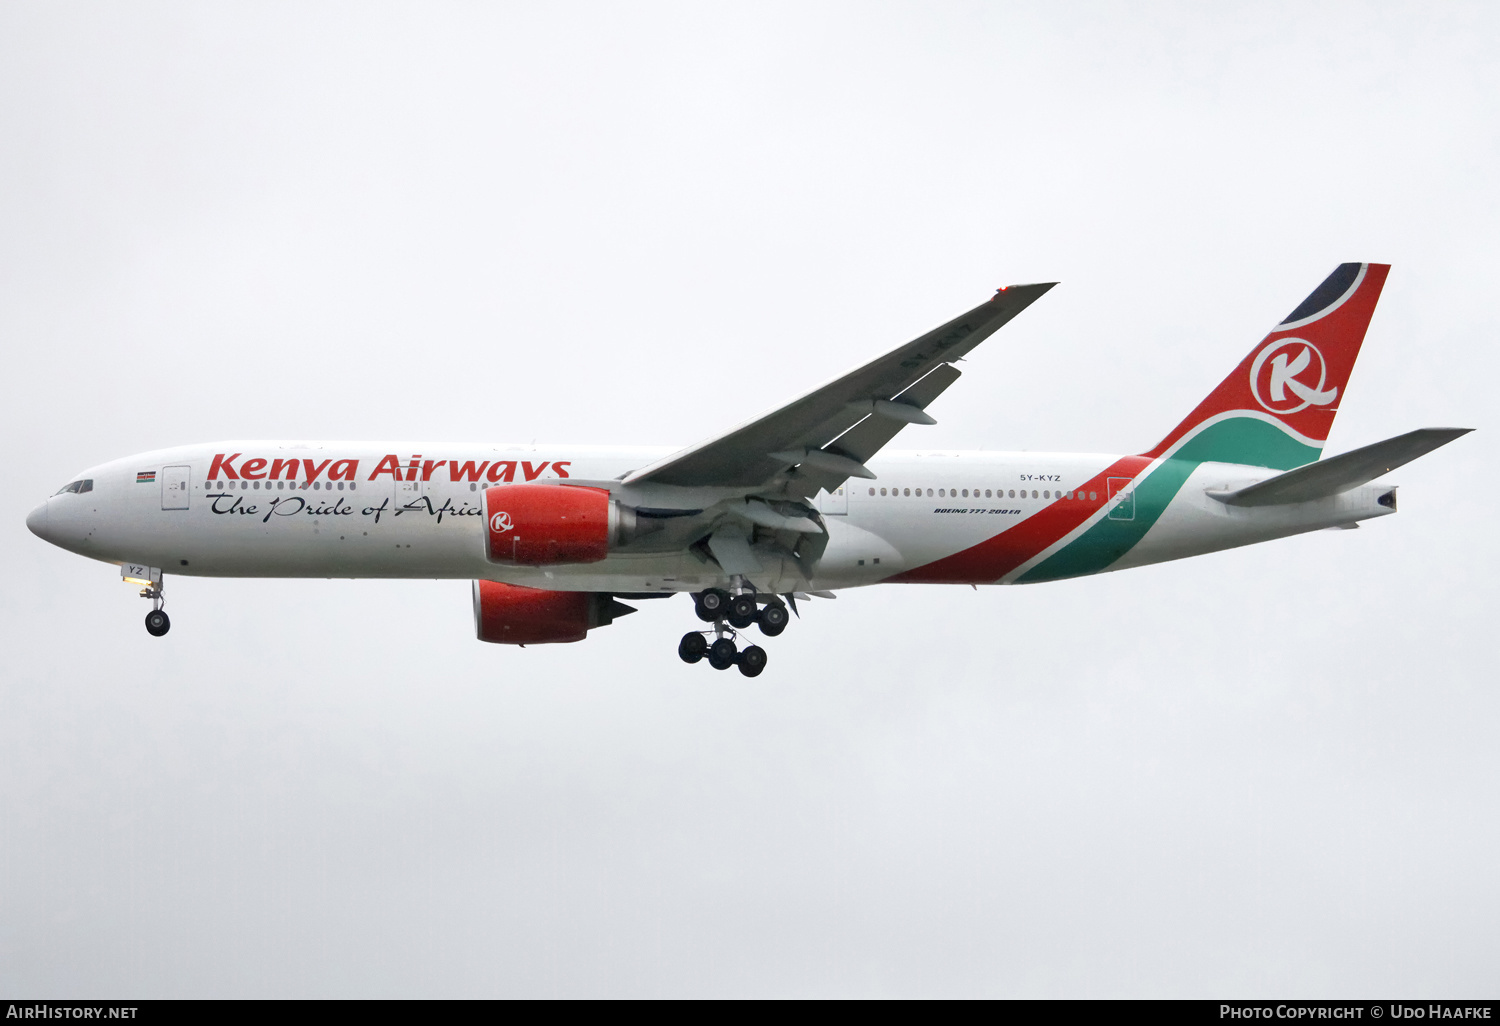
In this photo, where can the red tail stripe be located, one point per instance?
(995, 557)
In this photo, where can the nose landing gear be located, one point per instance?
(157, 621)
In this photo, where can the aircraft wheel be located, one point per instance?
(692, 647)
(752, 661)
(157, 623)
(721, 654)
(773, 619)
(742, 611)
(710, 604)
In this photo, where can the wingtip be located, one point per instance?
(1040, 287)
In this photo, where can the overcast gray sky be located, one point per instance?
(1272, 771)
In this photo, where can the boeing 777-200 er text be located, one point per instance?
(800, 500)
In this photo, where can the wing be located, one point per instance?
(831, 431)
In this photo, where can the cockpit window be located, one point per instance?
(86, 485)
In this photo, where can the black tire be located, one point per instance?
(710, 604)
(773, 619)
(157, 623)
(722, 654)
(752, 661)
(692, 647)
(742, 611)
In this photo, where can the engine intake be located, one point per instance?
(508, 614)
(541, 525)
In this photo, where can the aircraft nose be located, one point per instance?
(36, 521)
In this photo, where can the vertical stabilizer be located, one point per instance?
(1277, 407)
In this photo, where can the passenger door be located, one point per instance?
(176, 487)
(409, 491)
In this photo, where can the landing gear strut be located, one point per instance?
(157, 621)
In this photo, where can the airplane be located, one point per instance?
(801, 501)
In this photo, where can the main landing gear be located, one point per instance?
(716, 606)
(722, 653)
(741, 611)
(157, 621)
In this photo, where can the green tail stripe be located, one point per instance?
(1250, 441)
(1245, 440)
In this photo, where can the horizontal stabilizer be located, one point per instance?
(1341, 473)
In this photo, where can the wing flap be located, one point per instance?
(872, 434)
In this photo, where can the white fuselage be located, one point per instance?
(337, 509)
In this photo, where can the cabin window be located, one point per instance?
(1093, 496)
(941, 493)
(1047, 494)
(872, 491)
(929, 493)
(882, 491)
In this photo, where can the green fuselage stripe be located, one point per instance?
(1245, 440)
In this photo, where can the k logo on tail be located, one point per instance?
(1289, 372)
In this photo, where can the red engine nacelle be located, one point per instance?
(539, 525)
(509, 614)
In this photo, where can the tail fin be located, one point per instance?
(1276, 408)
